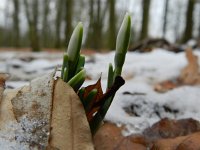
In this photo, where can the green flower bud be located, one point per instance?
(122, 43)
(75, 43)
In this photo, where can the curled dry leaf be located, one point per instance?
(165, 86)
(168, 144)
(100, 98)
(190, 74)
(96, 99)
(189, 142)
(70, 128)
(3, 78)
(109, 137)
(47, 114)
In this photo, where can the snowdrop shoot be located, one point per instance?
(122, 43)
(96, 104)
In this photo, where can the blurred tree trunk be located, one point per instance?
(68, 19)
(98, 27)
(165, 17)
(6, 38)
(145, 19)
(199, 24)
(16, 29)
(32, 18)
(178, 23)
(177, 26)
(112, 25)
(189, 21)
(45, 24)
(59, 13)
(35, 45)
(91, 25)
(94, 37)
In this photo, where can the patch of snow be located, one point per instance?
(7, 138)
(191, 43)
(139, 111)
(16, 84)
(155, 66)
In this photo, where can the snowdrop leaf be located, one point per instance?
(65, 74)
(88, 100)
(64, 65)
(80, 94)
(77, 81)
(81, 63)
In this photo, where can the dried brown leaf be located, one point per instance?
(96, 99)
(190, 74)
(97, 86)
(70, 129)
(101, 99)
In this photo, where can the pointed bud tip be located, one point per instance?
(80, 25)
(83, 71)
(127, 16)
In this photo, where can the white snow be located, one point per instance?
(141, 72)
(147, 69)
(150, 106)
(7, 138)
(26, 66)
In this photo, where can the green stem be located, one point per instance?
(64, 65)
(65, 75)
(81, 94)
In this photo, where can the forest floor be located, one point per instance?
(155, 90)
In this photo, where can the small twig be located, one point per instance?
(119, 81)
(134, 93)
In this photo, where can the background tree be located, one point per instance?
(68, 19)
(97, 16)
(189, 21)
(112, 24)
(6, 33)
(165, 17)
(98, 27)
(50, 22)
(145, 19)
(91, 25)
(59, 18)
(198, 20)
(16, 29)
(45, 23)
(32, 18)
